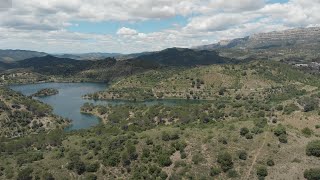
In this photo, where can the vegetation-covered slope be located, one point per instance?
(21, 115)
(207, 82)
(261, 123)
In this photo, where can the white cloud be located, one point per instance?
(41, 25)
(126, 31)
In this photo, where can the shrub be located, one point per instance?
(223, 140)
(164, 160)
(197, 158)
(256, 130)
(183, 155)
(283, 138)
(225, 161)
(270, 162)
(290, 108)
(48, 176)
(244, 131)
(91, 177)
(25, 174)
(279, 108)
(262, 172)
(280, 129)
(92, 167)
(249, 136)
(165, 136)
(243, 155)
(313, 148)
(307, 132)
(214, 171)
(261, 122)
(312, 174)
(232, 174)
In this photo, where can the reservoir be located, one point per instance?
(68, 102)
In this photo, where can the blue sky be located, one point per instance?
(111, 27)
(130, 26)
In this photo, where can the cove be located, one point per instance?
(68, 102)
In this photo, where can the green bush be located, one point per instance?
(262, 172)
(261, 122)
(90, 177)
(242, 155)
(48, 176)
(307, 132)
(25, 174)
(232, 173)
(197, 158)
(290, 109)
(215, 171)
(270, 162)
(279, 108)
(283, 138)
(313, 148)
(312, 174)
(92, 167)
(249, 136)
(225, 161)
(244, 131)
(164, 160)
(280, 129)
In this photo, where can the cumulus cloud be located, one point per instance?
(126, 31)
(41, 25)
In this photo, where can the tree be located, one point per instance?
(283, 138)
(280, 129)
(225, 161)
(262, 172)
(244, 131)
(312, 174)
(164, 160)
(243, 155)
(313, 148)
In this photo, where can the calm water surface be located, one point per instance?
(69, 100)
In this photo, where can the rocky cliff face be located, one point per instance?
(284, 38)
(290, 37)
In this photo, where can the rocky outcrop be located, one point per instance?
(285, 38)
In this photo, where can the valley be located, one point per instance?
(237, 110)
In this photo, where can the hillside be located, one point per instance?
(207, 82)
(287, 38)
(51, 68)
(18, 55)
(88, 56)
(21, 115)
(292, 46)
(261, 123)
(181, 57)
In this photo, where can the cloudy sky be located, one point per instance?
(127, 26)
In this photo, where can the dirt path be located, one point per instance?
(256, 156)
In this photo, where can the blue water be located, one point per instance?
(69, 100)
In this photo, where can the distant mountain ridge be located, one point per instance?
(88, 56)
(182, 57)
(286, 38)
(11, 55)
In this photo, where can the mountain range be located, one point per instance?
(300, 44)
(287, 38)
